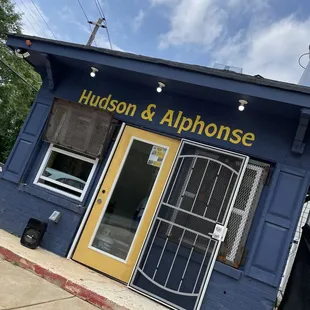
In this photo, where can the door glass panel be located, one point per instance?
(128, 201)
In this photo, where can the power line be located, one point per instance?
(87, 20)
(98, 7)
(17, 74)
(30, 23)
(11, 53)
(44, 19)
(95, 30)
(105, 20)
(95, 43)
(22, 1)
(83, 10)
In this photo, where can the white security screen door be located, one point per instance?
(183, 242)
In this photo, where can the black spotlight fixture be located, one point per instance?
(33, 233)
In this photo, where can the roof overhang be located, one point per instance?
(188, 79)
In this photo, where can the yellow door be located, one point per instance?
(125, 205)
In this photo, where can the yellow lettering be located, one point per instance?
(236, 134)
(121, 107)
(92, 103)
(185, 125)
(112, 106)
(104, 101)
(221, 130)
(85, 97)
(168, 118)
(149, 112)
(213, 132)
(200, 123)
(177, 121)
(133, 107)
(247, 138)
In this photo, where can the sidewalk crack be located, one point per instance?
(39, 303)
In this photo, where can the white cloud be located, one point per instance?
(197, 22)
(67, 15)
(102, 41)
(137, 21)
(240, 33)
(166, 2)
(271, 51)
(32, 21)
(204, 22)
(245, 5)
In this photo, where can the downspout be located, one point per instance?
(298, 144)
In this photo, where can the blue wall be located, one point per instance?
(274, 135)
(18, 204)
(20, 199)
(252, 287)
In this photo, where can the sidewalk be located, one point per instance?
(73, 277)
(22, 290)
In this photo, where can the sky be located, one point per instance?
(263, 37)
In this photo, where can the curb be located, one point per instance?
(67, 285)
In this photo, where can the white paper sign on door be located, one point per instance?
(156, 156)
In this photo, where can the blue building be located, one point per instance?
(183, 182)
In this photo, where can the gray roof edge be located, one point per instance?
(183, 66)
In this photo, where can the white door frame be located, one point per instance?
(91, 203)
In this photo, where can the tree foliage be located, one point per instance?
(16, 96)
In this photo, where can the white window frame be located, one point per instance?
(39, 175)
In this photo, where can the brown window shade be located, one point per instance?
(78, 128)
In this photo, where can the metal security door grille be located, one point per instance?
(190, 223)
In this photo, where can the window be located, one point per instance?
(79, 128)
(66, 173)
(233, 248)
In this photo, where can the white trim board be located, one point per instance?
(90, 205)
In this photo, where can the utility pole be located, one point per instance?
(94, 32)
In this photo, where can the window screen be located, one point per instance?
(232, 248)
(79, 128)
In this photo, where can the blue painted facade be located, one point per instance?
(272, 116)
